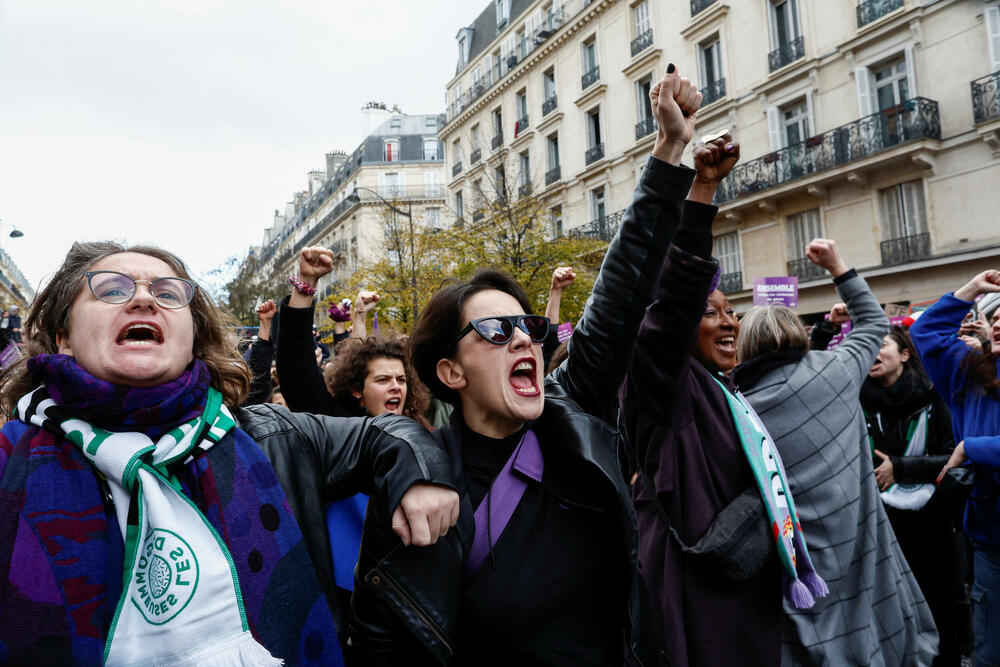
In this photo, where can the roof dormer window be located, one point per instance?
(503, 12)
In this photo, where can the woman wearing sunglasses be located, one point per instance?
(144, 518)
(541, 567)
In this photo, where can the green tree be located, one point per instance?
(249, 285)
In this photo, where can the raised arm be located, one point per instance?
(869, 321)
(261, 355)
(602, 342)
(365, 304)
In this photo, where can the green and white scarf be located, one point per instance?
(181, 602)
(911, 496)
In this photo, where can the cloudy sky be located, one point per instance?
(185, 123)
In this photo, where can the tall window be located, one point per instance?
(796, 122)
(390, 150)
(597, 207)
(642, 87)
(891, 84)
(390, 185)
(549, 83)
(503, 12)
(727, 251)
(641, 15)
(801, 229)
(525, 164)
(589, 55)
(497, 122)
(432, 184)
(710, 61)
(555, 215)
(432, 217)
(552, 151)
(431, 149)
(456, 152)
(593, 128)
(459, 206)
(476, 137)
(903, 210)
(500, 182)
(784, 22)
(521, 104)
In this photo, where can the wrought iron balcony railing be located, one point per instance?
(906, 249)
(456, 169)
(497, 141)
(917, 118)
(713, 92)
(645, 127)
(642, 42)
(591, 77)
(803, 269)
(698, 5)
(731, 282)
(475, 156)
(603, 228)
(986, 98)
(520, 125)
(553, 175)
(549, 105)
(870, 10)
(594, 153)
(786, 53)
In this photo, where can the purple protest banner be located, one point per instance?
(10, 354)
(777, 290)
(845, 328)
(564, 331)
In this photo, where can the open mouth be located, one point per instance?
(394, 405)
(523, 377)
(139, 334)
(726, 344)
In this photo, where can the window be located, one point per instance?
(549, 83)
(459, 207)
(522, 44)
(784, 22)
(500, 182)
(432, 217)
(552, 151)
(521, 104)
(503, 12)
(476, 137)
(431, 149)
(642, 87)
(796, 123)
(390, 150)
(555, 215)
(710, 61)
(727, 251)
(891, 84)
(801, 229)
(432, 184)
(497, 123)
(641, 15)
(589, 55)
(594, 128)
(462, 41)
(390, 185)
(991, 16)
(903, 211)
(456, 151)
(525, 164)
(597, 208)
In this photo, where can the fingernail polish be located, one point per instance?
(730, 147)
(670, 68)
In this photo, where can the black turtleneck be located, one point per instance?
(546, 595)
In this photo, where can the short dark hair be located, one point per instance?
(433, 337)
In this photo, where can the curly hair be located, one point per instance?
(349, 368)
(51, 313)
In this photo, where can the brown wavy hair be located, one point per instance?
(51, 312)
(349, 368)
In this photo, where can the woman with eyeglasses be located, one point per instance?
(144, 518)
(541, 567)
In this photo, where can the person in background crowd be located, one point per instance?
(910, 432)
(144, 517)
(10, 325)
(967, 381)
(695, 475)
(324, 350)
(278, 398)
(562, 278)
(543, 572)
(808, 402)
(4, 328)
(824, 331)
(261, 356)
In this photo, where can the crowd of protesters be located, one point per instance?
(672, 485)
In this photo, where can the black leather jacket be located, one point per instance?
(406, 600)
(318, 459)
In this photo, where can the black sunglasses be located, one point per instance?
(499, 329)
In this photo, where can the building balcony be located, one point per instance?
(591, 77)
(497, 141)
(645, 127)
(456, 169)
(511, 62)
(986, 98)
(549, 105)
(906, 249)
(731, 282)
(871, 10)
(642, 42)
(520, 125)
(553, 175)
(699, 5)
(603, 228)
(478, 215)
(554, 20)
(593, 154)
(786, 54)
(917, 118)
(476, 156)
(803, 269)
(713, 92)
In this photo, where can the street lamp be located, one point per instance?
(15, 233)
(355, 198)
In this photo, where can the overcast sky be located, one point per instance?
(185, 123)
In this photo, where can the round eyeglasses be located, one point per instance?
(119, 288)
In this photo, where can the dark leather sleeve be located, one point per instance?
(602, 342)
(940, 445)
(261, 355)
(822, 333)
(300, 379)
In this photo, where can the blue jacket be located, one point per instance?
(975, 417)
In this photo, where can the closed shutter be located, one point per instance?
(863, 82)
(914, 210)
(911, 78)
(728, 253)
(892, 219)
(775, 131)
(992, 13)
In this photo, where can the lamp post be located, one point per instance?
(408, 214)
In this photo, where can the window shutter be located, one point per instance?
(774, 129)
(913, 204)
(992, 17)
(401, 183)
(890, 213)
(810, 120)
(863, 82)
(382, 184)
(911, 78)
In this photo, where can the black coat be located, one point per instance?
(406, 600)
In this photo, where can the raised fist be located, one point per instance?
(823, 253)
(266, 311)
(365, 302)
(714, 160)
(315, 262)
(675, 101)
(563, 277)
